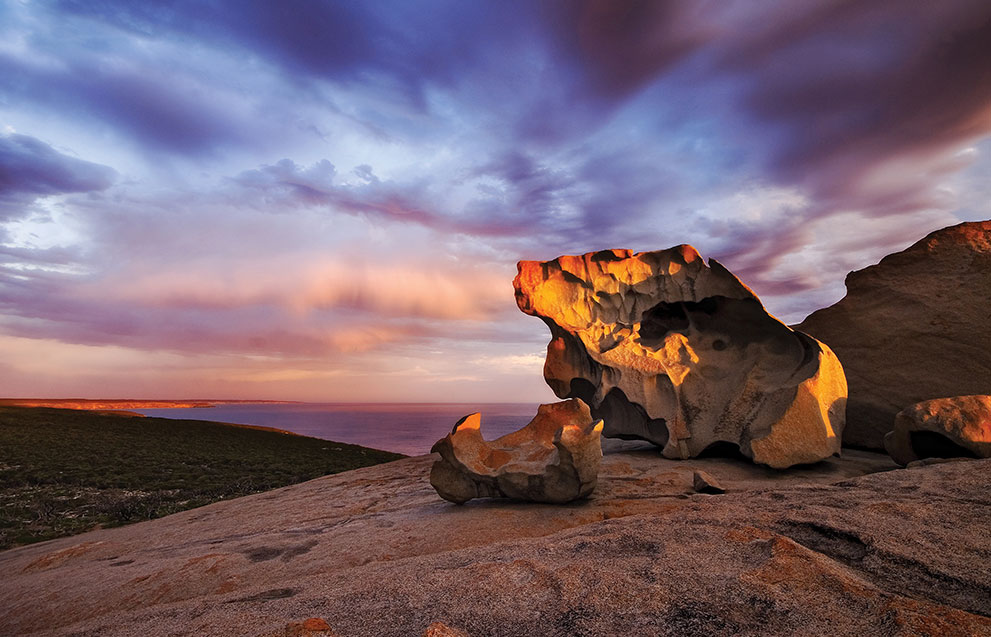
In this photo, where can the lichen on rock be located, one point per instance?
(555, 458)
(666, 348)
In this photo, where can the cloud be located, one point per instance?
(170, 112)
(256, 294)
(286, 183)
(30, 168)
(621, 46)
(831, 91)
(392, 48)
(302, 284)
(512, 195)
(347, 181)
(858, 111)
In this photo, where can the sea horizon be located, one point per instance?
(271, 401)
(407, 428)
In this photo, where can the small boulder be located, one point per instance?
(942, 428)
(703, 482)
(555, 458)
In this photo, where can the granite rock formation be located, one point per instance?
(942, 428)
(666, 348)
(555, 458)
(913, 327)
(817, 550)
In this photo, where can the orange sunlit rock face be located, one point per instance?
(667, 348)
(555, 458)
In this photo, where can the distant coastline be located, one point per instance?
(90, 404)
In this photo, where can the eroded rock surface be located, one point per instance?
(817, 550)
(942, 428)
(916, 326)
(555, 458)
(668, 349)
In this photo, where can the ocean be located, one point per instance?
(408, 428)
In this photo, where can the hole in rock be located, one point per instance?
(618, 413)
(929, 444)
(583, 389)
(265, 596)
(733, 322)
(632, 418)
(661, 319)
(723, 449)
(837, 543)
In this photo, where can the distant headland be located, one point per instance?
(96, 404)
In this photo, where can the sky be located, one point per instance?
(326, 201)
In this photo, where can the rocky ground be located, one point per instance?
(848, 546)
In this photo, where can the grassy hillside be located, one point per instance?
(65, 471)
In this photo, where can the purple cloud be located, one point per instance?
(30, 168)
(829, 88)
(306, 179)
(160, 111)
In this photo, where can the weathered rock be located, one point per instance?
(913, 327)
(803, 553)
(942, 428)
(703, 482)
(555, 458)
(668, 349)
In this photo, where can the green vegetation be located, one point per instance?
(65, 471)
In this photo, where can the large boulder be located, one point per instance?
(666, 348)
(555, 458)
(942, 428)
(913, 327)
